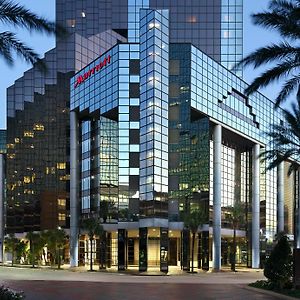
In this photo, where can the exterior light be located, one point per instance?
(154, 25)
(83, 14)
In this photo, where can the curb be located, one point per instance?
(271, 293)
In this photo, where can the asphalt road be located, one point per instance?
(66, 285)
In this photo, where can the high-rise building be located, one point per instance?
(38, 104)
(159, 127)
(2, 189)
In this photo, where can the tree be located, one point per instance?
(282, 16)
(10, 243)
(12, 14)
(20, 250)
(279, 265)
(36, 244)
(93, 227)
(236, 218)
(192, 221)
(55, 240)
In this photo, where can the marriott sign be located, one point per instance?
(82, 78)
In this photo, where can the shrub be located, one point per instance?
(279, 266)
(8, 294)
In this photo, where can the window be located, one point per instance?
(134, 67)
(134, 90)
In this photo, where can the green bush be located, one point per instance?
(279, 266)
(8, 294)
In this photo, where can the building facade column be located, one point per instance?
(280, 197)
(217, 155)
(2, 193)
(255, 206)
(74, 189)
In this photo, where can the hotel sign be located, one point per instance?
(82, 78)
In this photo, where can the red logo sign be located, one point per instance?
(82, 78)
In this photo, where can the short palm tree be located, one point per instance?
(236, 217)
(12, 14)
(282, 16)
(55, 240)
(36, 243)
(192, 221)
(93, 227)
(10, 243)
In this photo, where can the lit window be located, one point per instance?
(10, 146)
(61, 217)
(29, 134)
(61, 166)
(71, 23)
(61, 202)
(27, 179)
(192, 19)
(83, 14)
(38, 127)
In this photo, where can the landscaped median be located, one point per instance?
(8, 294)
(268, 286)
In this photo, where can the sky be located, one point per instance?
(254, 37)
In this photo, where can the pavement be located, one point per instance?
(48, 284)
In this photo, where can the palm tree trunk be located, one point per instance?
(234, 250)
(193, 246)
(91, 254)
(58, 262)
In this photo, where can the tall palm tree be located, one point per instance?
(282, 16)
(236, 218)
(93, 227)
(12, 14)
(192, 221)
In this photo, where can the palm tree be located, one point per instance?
(10, 243)
(282, 16)
(192, 221)
(12, 14)
(55, 240)
(93, 227)
(285, 139)
(36, 244)
(235, 217)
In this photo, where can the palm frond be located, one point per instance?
(9, 44)
(282, 6)
(286, 25)
(18, 15)
(288, 87)
(269, 54)
(271, 75)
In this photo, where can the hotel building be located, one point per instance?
(139, 122)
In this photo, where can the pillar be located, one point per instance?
(255, 206)
(74, 189)
(280, 197)
(1, 206)
(217, 154)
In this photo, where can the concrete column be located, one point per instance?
(74, 190)
(255, 206)
(1, 206)
(280, 197)
(217, 140)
